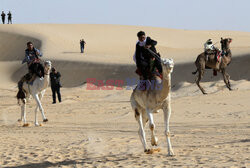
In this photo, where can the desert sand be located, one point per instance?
(97, 128)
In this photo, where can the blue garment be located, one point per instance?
(82, 49)
(31, 55)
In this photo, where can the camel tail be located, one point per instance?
(195, 72)
(20, 96)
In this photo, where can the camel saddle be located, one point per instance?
(217, 55)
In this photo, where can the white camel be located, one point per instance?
(146, 102)
(36, 90)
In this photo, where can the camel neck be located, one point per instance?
(45, 80)
(227, 52)
(166, 86)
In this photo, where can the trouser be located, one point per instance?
(3, 20)
(9, 21)
(37, 68)
(56, 90)
(158, 65)
(82, 49)
(145, 70)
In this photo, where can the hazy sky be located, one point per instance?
(180, 14)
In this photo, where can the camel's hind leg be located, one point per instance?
(167, 114)
(226, 78)
(199, 77)
(22, 109)
(36, 121)
(154, 139)
(23, 113)
(142, 122)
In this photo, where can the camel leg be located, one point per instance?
(167, 114)
(36, 109)
(40, 107)
(36, 121)
(198, 79)
(152, 127)
(141, 132)
(23, 109)
(226, 78)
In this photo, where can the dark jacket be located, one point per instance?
(143, 56)
(55, 79)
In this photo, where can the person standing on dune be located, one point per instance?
(82, 44)
(9, 18)
(55, 84)
(3, 17)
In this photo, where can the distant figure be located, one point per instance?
(82, 43)
(55, 85)
(3, 17)
(9, 18)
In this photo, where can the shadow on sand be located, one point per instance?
(87, 161)
(76, 73)
(71, 52)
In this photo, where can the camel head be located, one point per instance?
(47, 66)
(167, 65)
(225, 43)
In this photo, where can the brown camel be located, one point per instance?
(212, 61)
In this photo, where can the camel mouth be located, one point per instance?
(47, 63)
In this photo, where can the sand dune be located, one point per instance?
(97, 128)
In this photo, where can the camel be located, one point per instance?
(146, 102)
(36, 90)
(212, 63)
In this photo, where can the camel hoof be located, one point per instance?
(171, 153)
(154, 142)
(204, 93)
(26, 125)
(45, 120)
(19, 120)
(152, 151)
(38, 125)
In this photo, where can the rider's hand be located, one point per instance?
(147, 46)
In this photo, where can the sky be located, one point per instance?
(177, 14)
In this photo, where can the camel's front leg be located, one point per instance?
(226, 78)
(40, 107)
(141, 132)
(152, 127)
(167, 113)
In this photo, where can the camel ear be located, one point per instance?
(221, 38)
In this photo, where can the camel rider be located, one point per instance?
(32, 55)
(209, 48)
(145, 61)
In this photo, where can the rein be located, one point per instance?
(155, 55)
